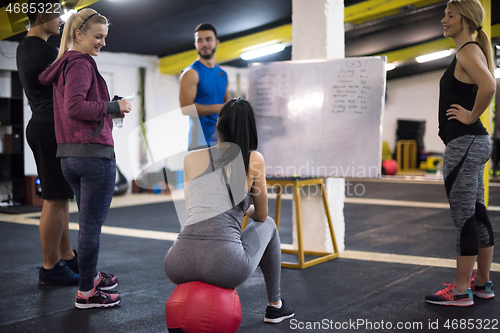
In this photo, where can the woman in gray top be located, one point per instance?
(226, 182)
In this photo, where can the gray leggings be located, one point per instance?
(463, 168)
(228, 264)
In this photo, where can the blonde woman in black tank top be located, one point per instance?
(466, 90)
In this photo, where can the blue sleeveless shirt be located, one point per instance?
(212, 87)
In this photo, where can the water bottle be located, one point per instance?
(118, 118)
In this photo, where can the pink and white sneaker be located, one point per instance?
(96, 299)
(106, 281)
(449, 296)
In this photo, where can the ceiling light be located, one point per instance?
(262, 51)
(497, 73)
(433, 56)
(67, 14)
(390, 66)
(497, 46)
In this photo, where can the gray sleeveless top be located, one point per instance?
(215, 211)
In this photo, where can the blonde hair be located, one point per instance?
(82, 20)
(472, 13)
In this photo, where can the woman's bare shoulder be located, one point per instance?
(471, 52)
(197, 154)
(195, 163)
(256, 157)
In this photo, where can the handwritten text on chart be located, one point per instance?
(351, 90)
(271, 91)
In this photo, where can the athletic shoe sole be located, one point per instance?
(454, 303)
(277, 320)
(52, 283)
(95, 305)
(483, 295)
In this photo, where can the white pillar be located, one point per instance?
(318, 29)
(318, 33)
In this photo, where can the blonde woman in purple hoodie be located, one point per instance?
(83, 123)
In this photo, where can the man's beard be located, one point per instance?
(208, 55)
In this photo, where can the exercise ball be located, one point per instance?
(198, 307)
(390, 167)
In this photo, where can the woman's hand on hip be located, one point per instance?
(461, 114)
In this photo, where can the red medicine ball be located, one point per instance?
(198, 307)
(390, 166)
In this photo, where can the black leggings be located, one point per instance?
(93, 181)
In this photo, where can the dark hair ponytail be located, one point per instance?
(237, 125)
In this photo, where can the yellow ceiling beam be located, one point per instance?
(13, 23)
(231, 50)
(429, 47)
(375, 9)
(228, 50)
(418, 50)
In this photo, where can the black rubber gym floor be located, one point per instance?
(342, 295)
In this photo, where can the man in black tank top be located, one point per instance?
(34, 55)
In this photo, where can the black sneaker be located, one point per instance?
(61, 275)
(73, 263)
(275, 315)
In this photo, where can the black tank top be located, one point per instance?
(453, 91)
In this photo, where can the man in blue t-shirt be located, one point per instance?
(204, 84)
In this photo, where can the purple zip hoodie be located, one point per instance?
(82, 110)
